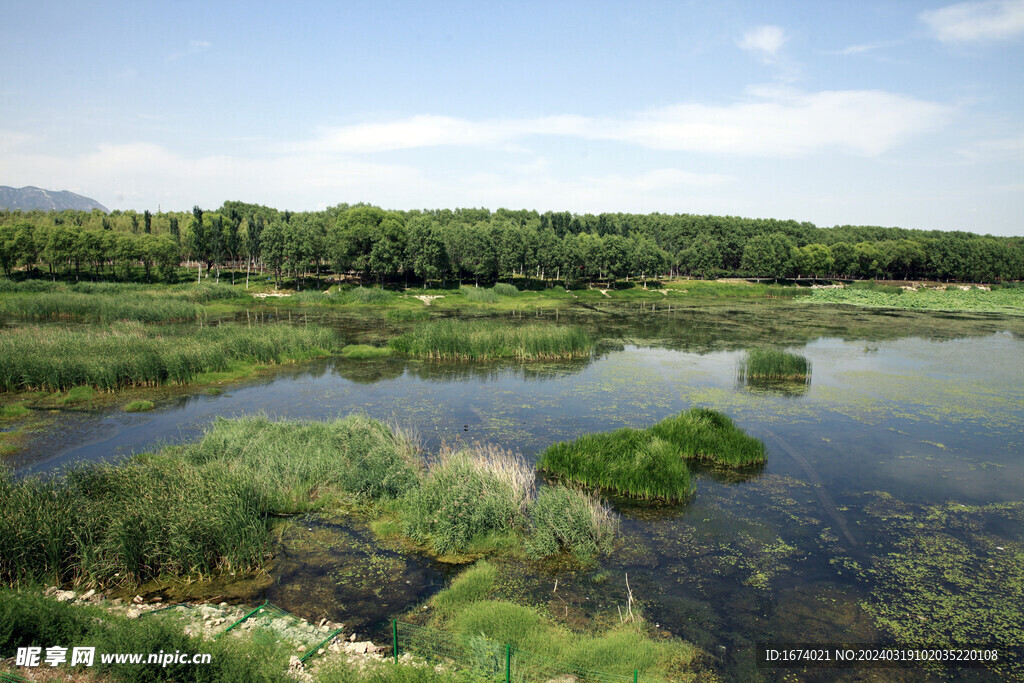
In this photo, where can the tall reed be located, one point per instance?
(773, 364)
(96, 308)
(484, 340)
(129, 354)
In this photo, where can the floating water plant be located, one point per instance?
(485, 340)
(772, 364)
(650, 463)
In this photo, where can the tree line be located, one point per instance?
(483, 246)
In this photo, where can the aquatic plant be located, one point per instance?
(129, 354)
(483, 340)
(302, 465)
(479, 295)
(505, 289)
(373, 296)
(30, 619)
(772, 364)
(95, 307)
(466, 494)
(650, 463)
(138, 406)
(566, 519)
(364, 351)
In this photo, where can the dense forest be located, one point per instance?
(482, 246)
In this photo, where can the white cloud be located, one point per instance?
(765, 41)
(772, 122)
(195, 47)
(977, 21)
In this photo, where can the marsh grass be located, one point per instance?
(484, 340)
(650, 463)
(29, 619)
(479, 295)
(138, 406)
(773, 364)
(130, 354)
(566, 519)
(364, 351)
(13, 412)
(505, 289)
(197, 509)
(78, 394)
(96, 308)
(468, 494)
(467, 610)
(370, 296)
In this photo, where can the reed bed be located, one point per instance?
(370, 296)
(468, 494)
(505, 289)
(193, 510)
(576, 521)
(772, 364)
(129, 354)
(651, 463)
(96, 308)
(486, 340)
(479, 295)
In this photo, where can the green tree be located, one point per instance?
(767, 255)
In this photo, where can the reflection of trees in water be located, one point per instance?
(370, 371)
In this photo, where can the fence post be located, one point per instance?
(394, 638)
(636, 673)
(508, 664)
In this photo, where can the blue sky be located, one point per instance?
(883, 113)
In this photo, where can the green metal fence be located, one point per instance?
(488, 659)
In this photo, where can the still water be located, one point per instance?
(889, 507)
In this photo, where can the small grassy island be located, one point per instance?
(774, 365)
(487, 340)
(651, 463)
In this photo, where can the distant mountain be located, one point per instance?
(32, 198)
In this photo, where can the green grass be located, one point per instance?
(467, 495)
(505, 289)
(473, 624)
(13, 412)
(772, 364)
(193, 510)
(138, 406)
(129, 354)
(485, 340)
(650, 463)
(479, 295)
(370, 296)
(96, 308)
(364, 351)
(29, 619)
(570, 520)
(1006, 300)
(78, 395)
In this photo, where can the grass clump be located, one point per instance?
(650, 463)
(138, 406)
(480, 295)
(772, 364)
(13, 412)
(467, 495)
(562, 518)
(78, 394)
(96, 308)
(364, 351)
(484, 340)
(193, 510)
(369, 296)
(129, 354)
(479, 627)
(29, 619)
(303, 465)
(505, 289)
